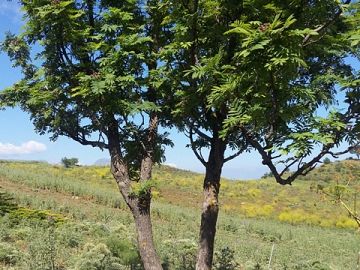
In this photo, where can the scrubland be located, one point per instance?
(74, 218)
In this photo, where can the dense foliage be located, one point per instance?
(292, 63)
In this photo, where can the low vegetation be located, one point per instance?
(74, 218)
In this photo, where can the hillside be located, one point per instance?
(299, 203)
(254, 216)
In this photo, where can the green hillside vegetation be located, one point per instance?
(74, 218)
(337, 171)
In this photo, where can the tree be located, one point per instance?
(97, 81)
(254, 76)
(69, 162)
(327, 161)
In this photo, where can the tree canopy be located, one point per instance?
(94, 66)
(96, 80)
(275, 75)
(268, 76)
(271, 76)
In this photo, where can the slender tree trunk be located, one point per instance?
(148, 254)
(210, 207)
(209, 215)
(139, 204)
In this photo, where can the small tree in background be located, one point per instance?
(326, 160)
(267, 175)
(69, 162)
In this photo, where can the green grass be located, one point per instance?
(304, 227)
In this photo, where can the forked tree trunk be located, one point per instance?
(210, 207)
(140, 209)
(139, 204)
(143, 224)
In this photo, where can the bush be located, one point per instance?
(326, 161)
(180, 254)
(267, 175)
(344, 222)
(33, 214)
(299, 216)
(43, 247)
(225, 259)
(8, 254)
(254, 210)
(6, 203)
(98, 257)
(71, 236)
(125, 251)
(69, 162)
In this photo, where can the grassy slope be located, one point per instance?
(89, 195)
(299, 203)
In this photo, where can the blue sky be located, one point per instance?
(19, 141)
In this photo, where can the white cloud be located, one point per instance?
(25, 148)
(171, 165)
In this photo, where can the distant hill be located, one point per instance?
(102, 162)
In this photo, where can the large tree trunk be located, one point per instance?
(139, 204)
(210, 207)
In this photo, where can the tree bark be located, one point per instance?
(139, 204)
(210, 208)
(141, 214)
(148, 254)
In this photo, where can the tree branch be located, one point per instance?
(193, 148)
(83, 141)
(201, 134)
(302, 169)
(234, 155)
(324, 26)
